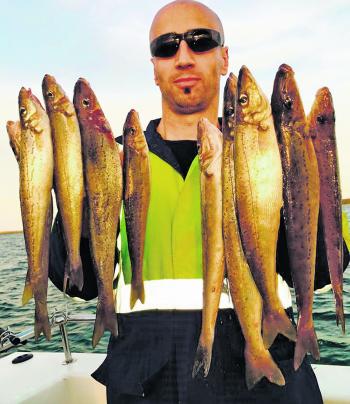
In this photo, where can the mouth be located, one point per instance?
(184, 82)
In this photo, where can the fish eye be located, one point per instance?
(22, 111)
(86, 102)
(288, 102)
(50, 94)
(321, 119)
(230, 111)
(132, 130)
(243, 99)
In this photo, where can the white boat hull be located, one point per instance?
(47, 379)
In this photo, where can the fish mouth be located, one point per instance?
(285, 76)
(132, 120)
(230, 88)
(48, 79)
(28, 102)
(82, 85)
(322, 109)
(245, 79)
(23, 95)
(323, 92)
(244, 72)
(252, 106)
(53, 93)
(286, 99)
(84, 98)
(82, 80)
(208, 144)
(284, 68)
(48, 83)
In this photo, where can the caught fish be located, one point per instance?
(301, 194)
(244, 292)
(68, 174)
(36, 177)
(136, 169)
(103, 175)
(209, 140)
(14, 132)
(321, 127)
(258, 175)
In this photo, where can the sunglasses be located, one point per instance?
(198, 40)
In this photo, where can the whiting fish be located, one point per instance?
(36, 177)
(68, 174)
(103, 179)
(210, 156)
(301, 194)
(258, 175)
(136, 169)
(245, 295)
(321, 128)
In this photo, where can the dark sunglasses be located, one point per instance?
(198, 40)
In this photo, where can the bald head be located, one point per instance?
(181, 15)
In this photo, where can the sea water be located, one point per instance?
(334, 346)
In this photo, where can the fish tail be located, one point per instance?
(306, 342)
(202, 360)
(65, 282)
(259, 366)
(74, 271)
(339, 307)
(27, 292)
(137, 293)
(104, 321)
(42, 324)
(275, 323)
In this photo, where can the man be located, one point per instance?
(151, 360)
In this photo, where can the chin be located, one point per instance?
(189, 105)
(188, 109)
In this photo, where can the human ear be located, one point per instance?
(224, 54)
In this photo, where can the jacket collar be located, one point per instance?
(158, 146)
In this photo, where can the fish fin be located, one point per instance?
(42, 327)
(104, 321)
(137, 293)
(202, 361)
(275, 323)
(259, 366)
(306, 342)
(27, 292)
(75, 273)
(42, 324)
(99, 327)
(340, 318)
(65, 282)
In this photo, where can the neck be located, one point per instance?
(177, 126)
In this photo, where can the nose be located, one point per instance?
(184, 57)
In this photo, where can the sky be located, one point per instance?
(106, 42)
